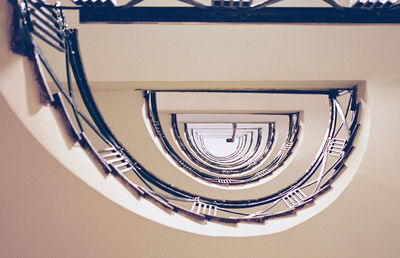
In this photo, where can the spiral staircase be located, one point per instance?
(240, 147)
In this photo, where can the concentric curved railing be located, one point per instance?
(221, 177)
(37, 21)
(237, 158)
(241, 175)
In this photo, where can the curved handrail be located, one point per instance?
(165, 195)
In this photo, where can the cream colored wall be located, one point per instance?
(46, 211)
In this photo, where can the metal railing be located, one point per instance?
(87, 126)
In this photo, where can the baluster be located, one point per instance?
(294, 198)
(336, 146)
(116, 159)
(204, 208)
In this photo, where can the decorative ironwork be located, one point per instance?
(216, 172)
(248, 142)
(115, 159)
(382, 11)
(372, 4)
